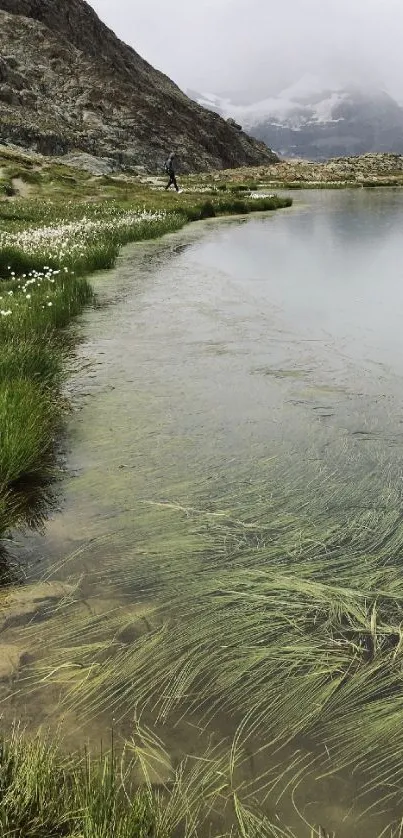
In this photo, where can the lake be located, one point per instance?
(240, 373)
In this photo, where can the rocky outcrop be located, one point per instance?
(68, 83)
(364, 169)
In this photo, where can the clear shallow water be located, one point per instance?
(227, 337)
(215, 350)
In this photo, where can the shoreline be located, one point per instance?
(46, 253)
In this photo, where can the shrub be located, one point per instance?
(238, 187)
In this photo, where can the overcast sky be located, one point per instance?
(253, 48)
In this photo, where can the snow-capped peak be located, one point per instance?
(319, 117)
(306, 101)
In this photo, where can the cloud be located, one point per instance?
(253, 48)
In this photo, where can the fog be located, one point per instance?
(249, 49)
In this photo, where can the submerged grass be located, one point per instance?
(46, 249)
(283, 610)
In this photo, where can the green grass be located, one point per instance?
(7, 189)
(98, 248)
(32, 359)
(44, 795)
(84, 252)
(33, 348)
(47, 795)
(234, 206)
(27, 423)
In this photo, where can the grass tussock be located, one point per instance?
(27, 419)
(31, 359)
(35, 310)
(44, 793)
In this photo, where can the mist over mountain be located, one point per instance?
(319, 117)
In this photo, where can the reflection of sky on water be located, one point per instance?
(334, 269)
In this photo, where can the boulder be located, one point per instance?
(7, 95)
(94, 165)
(28, 98)
(234, 124)
(11, 660)
(24, 604)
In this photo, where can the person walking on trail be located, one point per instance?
(170, 166)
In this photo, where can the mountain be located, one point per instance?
(318, 119)
(67, 83)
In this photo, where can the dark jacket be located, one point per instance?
(170, 164)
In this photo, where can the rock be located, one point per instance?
(3, 70)
(28, 98)
(7, 95)
(94, 165)
(96, 95)
(11, 660)
(24, 604)
(367, 168)
(11, 61)
(10, 75)
(234, 124)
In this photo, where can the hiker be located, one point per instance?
(170, 170)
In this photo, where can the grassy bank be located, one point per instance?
(34, 313)
(47, 248)
(87, 237)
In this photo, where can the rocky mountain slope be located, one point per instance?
(318, 119)
(68, 83)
